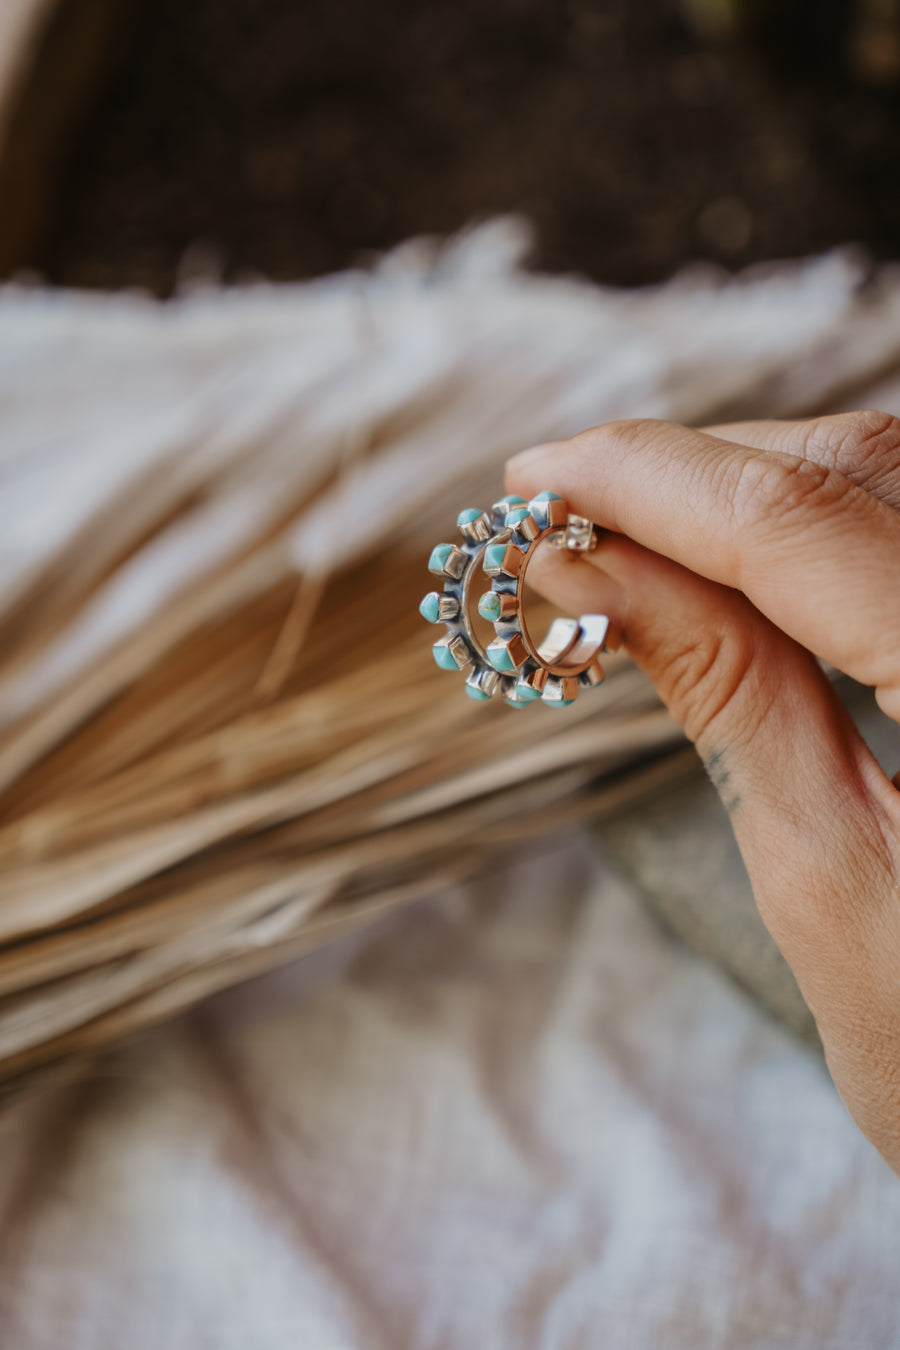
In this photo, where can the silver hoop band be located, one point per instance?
(513, 665)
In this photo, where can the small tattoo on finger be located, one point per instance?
(720, 777)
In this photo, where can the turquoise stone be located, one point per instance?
(466, 517)
(516, 515)
(494, 555)
(547, 497)
(444, 657)
(501, 659)
(478, 694)
(526, 694)
(439, 555)
(489, 606)
(510, 501)
(558, 702)
(430, 607)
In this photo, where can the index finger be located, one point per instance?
(816, 554)
(864, 446)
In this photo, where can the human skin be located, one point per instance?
(729, 557)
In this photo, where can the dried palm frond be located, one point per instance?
(222, 736)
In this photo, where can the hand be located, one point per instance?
(734, 554)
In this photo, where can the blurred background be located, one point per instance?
(224, 741)
(148, 142)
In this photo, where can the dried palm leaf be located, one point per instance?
(222, 736)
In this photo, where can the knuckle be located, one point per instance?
(768, 491)
(703, 685)
(634, 428)
(625, 432)
(865, 443)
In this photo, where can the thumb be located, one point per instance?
(805, 795)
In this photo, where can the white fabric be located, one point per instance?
(516, 1116)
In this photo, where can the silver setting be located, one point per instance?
(563, 636)
(505, 606)
(507, 654)
(523, 525)
(501, 509)
(477, 530)
(579, 536)
(532, 679)
(501, 543)
(483, 683)
(560, 689)
(567, 660)
(460, 566)
(528, 688)
(447, 607)
(507, 564)
(458, 648)
(453, 565)
(592, 676)
(549, 514)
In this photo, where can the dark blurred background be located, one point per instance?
(285, 138)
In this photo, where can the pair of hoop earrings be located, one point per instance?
(502, 543)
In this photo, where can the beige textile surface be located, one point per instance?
(513, 1117)
(517, 1115)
